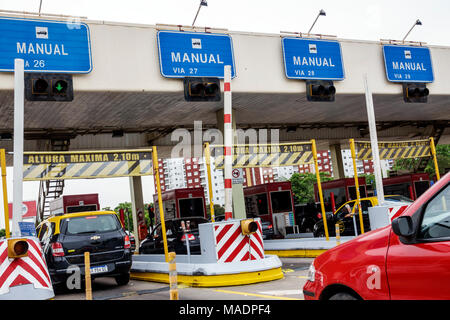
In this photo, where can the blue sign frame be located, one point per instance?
(312, 59)
(408, 64)
(45, 45)
(195, 54)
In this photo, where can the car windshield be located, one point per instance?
(91, 224)
(398, 198)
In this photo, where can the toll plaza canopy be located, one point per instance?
(131, 78)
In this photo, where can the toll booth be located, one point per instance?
(409, 185)
(272, 202)
(183, 202)
(75, 203)
(343, 189)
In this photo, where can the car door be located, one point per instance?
(420, 268)
(345, 220)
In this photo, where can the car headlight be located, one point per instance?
(312, 273)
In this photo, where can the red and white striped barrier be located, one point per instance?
(232, 246)
(395, 212)
(30, 270)
(228, 143)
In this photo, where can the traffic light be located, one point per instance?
(415, 92)
(202, 89)
(48, 87)
(17, 248)
(320, 90)
(248, 226)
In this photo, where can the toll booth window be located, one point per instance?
(256, 205)
(339, 198)
(436, 218)
(401, 189)
(91, 224)
(281, 201)
(90, 207)
(421, 187)
(352, 192)
(192, 207)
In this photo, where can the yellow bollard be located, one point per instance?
(338, 234)
(87, 275)
(173, 282)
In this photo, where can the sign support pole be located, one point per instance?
(208, 171)
(228, 142)
(374, 142)
(161, 209)
(5, 193)
(18, 144)
(433, 152)
(355, 173)
(319, 187)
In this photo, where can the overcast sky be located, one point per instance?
(354, 19)
(350, 19)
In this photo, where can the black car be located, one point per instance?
(266, 227)
(176, 237)
(65, 238)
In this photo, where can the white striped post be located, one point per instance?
(228, 143)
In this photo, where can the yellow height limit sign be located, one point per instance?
(86, 164)
(394, 150)
(270, 155)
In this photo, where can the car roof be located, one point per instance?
(77, 214)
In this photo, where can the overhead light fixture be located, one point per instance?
(291, 129)
(203, 3)
(417, 23)
(117, 133)
(321, 13)
(6, 136)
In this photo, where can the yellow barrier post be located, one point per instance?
(208, 172)
(433, 152)
(319, 187)
(5, 193)
(160, 204)
(338, 234)
(173, 281)
(87, 275)
(358, 196)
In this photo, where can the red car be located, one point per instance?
(409, 259)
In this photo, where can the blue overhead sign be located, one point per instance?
(312, 59)
(45, 46)
(408, 64)
(194, 54)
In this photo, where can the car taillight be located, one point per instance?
(127, 243)
(57, 249)
(319, 216)
(190, 237)
(270, 226)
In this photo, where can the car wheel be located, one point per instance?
(123, 279)
(342, 296)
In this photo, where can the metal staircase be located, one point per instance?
(50, 189)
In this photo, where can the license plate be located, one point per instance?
(99, 269)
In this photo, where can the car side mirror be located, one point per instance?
(403, 226)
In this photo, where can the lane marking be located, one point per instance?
(256, 295)
(302, 277)
(282, 292)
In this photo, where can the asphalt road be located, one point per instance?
(289, 288)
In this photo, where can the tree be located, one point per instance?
(2, 233)
(303, 185)
(443, 159)
(218, 211)
(129, 218)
